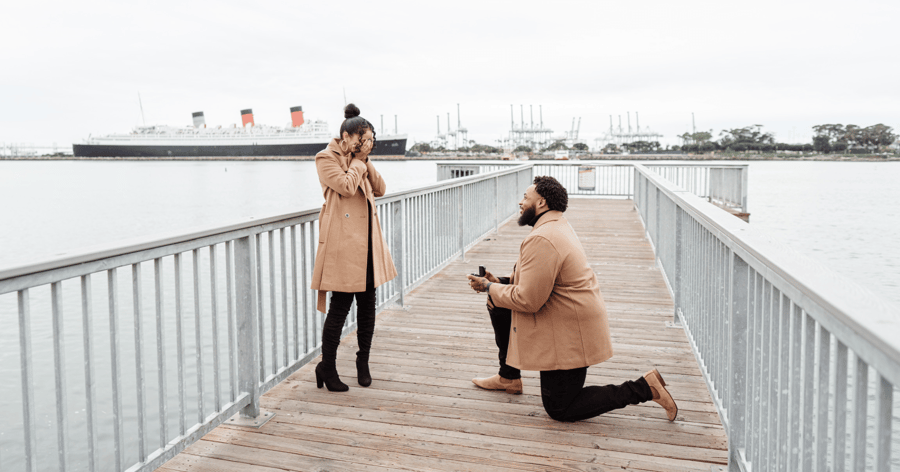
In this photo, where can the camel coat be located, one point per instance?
(341, 257)
(558, 315)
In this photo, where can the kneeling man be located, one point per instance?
(549, 316)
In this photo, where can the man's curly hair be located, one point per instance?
(552, 191)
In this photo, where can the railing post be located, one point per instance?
(397, 229)
(736, 394)
(679, 264)
(745, 173)
(460, 222)
(247, 322)
(497, 205)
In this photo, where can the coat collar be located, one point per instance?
(550, 215)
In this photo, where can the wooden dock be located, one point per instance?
(422, 411)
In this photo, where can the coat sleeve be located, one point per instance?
(378, 186)
(538, 268)
(333, 176)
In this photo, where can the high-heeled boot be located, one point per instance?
(329, 376)
(362, 369)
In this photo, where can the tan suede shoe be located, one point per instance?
(660, 394)
(499, 383)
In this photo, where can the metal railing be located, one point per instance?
(193, 329)
(722, 184)
(801, 363)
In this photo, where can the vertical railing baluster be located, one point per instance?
(138, 356)
(59, 367)
(284, 295)
(784, 373)
(118, 427)
(460, 216)
(198, 333)
(295, 312)
(822, 408)
(860, 404)
(314, 312)
(883, 412)
(839, 463)
(737, 416)
(273, 313)
(304, 289)
(247, 321)
(214, 319)
(87, 313)
(808, 386)
(229, 298)
(795, 387)
(161, 352)
(179, 346)
(260, 313)
(765, 372)
(397, 249)
(28, 413)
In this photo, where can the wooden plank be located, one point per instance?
(422, 411)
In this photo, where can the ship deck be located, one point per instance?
(422, 411)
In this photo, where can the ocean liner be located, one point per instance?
(300, 138)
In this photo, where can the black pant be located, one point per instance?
(501, 319)
(563, 392)
(566, 398)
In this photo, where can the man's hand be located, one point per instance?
(478, 284)
(490, 277)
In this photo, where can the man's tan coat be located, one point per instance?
(343, 223)
(558, 315)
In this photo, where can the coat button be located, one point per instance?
(514, 329)
(346, 215)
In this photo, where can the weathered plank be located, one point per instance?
(422, 411)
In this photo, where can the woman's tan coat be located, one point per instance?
(558, 315)
(343, 223)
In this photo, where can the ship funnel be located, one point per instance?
(199, 120)
(296, 116)
(247, 117)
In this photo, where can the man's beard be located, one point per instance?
(527, 216)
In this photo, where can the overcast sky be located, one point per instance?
(71, 69)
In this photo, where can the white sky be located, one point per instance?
(70, 69)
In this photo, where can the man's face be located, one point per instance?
(528, 207)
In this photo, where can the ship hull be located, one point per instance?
(387, 147)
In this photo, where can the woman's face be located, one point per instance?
(357, 141)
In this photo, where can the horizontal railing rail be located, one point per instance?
(160, 340)
(801, 362)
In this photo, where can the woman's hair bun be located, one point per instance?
(350, 111)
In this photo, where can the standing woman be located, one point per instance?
(353, 258)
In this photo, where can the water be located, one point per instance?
(842, 213)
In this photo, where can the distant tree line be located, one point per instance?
(838, 138)
(828, 138)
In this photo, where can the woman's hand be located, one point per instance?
(366, 148)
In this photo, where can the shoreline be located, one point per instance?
(592, 157)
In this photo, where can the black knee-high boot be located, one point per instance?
(326, 371)
(365, 310)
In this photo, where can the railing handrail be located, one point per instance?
(143, 243)
(868, 316)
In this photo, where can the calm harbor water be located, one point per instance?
(843, 213)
